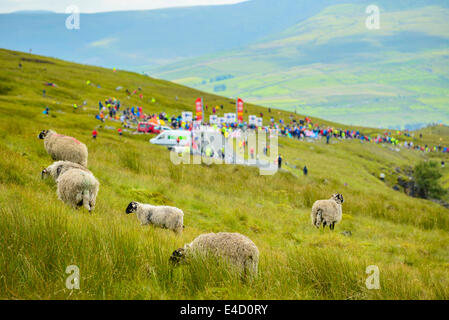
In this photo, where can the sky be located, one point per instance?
(90, 6)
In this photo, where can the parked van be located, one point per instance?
(170, 139)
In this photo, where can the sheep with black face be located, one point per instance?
(327, 212)
(160, 216)
(60, 167)
(61, 147)
(235, 248)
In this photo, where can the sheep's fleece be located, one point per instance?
(60, 167)
(327, 212)
(234, 247)
(61, 147)
(161, 216)
(78, 188)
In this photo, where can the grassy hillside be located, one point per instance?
(332, 66)
(40, 236)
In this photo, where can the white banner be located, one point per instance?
(252, 120)
(230, 117)
(213, 119)
(187, 116)
(259, 122)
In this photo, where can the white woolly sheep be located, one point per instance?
(160, 216)
(78, 188)
(233, 247)
(327, 212)
(61, 147)
(60, 167)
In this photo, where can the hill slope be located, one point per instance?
(330, 65)
(40, 236)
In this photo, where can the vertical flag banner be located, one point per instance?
(240, 109)
(199, 109)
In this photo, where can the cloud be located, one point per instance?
(103, 43)
(91, 6)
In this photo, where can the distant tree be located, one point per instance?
(427, 175)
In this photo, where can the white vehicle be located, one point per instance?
(169, 139)
(162, 128)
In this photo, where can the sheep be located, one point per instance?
(327, 212)
(235, 248)
(78, 188)
(61, 147)
(60, 167)
(160, 216)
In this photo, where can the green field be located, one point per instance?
(40, 236)
(331, 66)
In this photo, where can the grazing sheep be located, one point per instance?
(233, 247)
(327, 212)
(78, 188)
(61, 147)
(60, 167)
(159, 216)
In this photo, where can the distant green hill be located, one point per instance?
(40, 236)
(313, 55)
(332, 66)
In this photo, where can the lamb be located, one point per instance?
(61, 147)
(78, 188)
(236, 248)
(160, 216)
(60, 167)
(327, 212)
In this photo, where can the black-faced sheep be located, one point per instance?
(159, 216)
(78, 188)
(61, 147)
(233, 247)
(60, 167)
(327, 212)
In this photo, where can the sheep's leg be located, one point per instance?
(324, 225)
(92, 202)
(78, 201)
(86, 200)
(333, 226)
